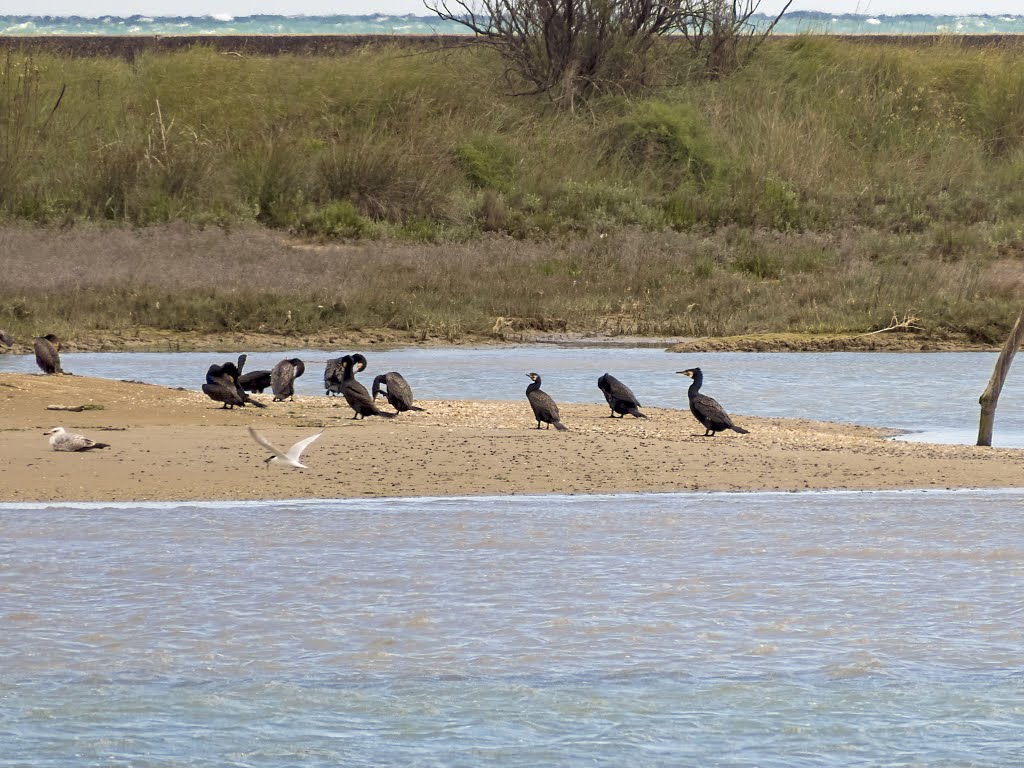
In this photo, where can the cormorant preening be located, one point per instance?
(47, 349)
(222, 386)
(706, 409)
(397, 392)
(282, 378)
(620, 398)
(239, 376)
(254, 381)
(544, 408)
(355, 393)
(62, 440)
(333, 374)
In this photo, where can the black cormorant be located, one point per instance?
(334, 371)
(620, 397)
(255, 381)
(282, 378)
(238, 376)
(222, 386)
(706, 409)
(355, 393)
(397, 391)
(544, 408)
(47, 349)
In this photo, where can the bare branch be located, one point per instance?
(908, 323)
(574, 49)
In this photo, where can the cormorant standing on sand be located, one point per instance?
(706, 409)
(397, 391)
(282, 378)
(355, 393)
(544, 408)
(222, 386)
(620, 397)
(47, 349)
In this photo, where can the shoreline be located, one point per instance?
(155, 340)
(155, 504)
(173, 445)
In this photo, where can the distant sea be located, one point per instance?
(793, 23)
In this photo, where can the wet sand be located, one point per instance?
(169, 444)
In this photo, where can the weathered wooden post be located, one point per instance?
(990, 396)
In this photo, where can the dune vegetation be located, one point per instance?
(824, 188)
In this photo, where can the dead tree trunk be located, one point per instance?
(990, 396)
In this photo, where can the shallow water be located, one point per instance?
(712, 630)
(934, 395)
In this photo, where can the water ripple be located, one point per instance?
(711, 629)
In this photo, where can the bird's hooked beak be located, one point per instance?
(688, 373)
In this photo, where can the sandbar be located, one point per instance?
(177, 445)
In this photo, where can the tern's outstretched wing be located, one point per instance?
(270, 447)
(296, 450)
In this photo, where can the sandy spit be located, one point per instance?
(173, 445)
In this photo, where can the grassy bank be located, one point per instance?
(817, 135)
(823, 189)
(81, 281)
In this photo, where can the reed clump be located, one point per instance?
(821, 189)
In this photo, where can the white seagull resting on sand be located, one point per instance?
(62, 440)
(289, 458)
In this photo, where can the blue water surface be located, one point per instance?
(677, 629)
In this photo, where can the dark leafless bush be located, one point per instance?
(573, 49)
(722, 36)
(568, 49)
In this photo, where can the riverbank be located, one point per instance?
(185, 288)
(178, 445)
(199, 192)
(157, 340)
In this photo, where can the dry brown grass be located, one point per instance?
(210, 281)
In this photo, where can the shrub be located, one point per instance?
(487, 163)
(666, 139)
(779, 205)
(335, 219)
(492, 212)
(758, 262)
(388, 180)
